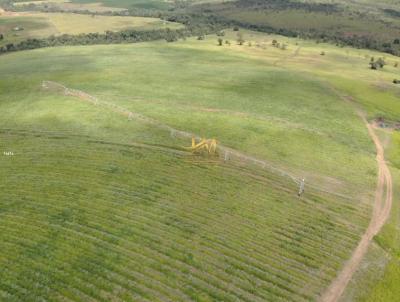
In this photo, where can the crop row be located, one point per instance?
(151, 226)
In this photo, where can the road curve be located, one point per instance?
(381, 212)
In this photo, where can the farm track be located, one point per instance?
(381, 212)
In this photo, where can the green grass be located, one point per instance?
(389, 239)
(96, 207)
(38, 25)
(306, 21)
(32, 27)
(147, 4)
(68, 6)
(76, 24)
(378, 278)
(339, 21)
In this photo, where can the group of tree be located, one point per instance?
(376, 64)
(240, 38)
(327, 8)
(276, 44)
(109, 37)
(206, 19)
(374, 40)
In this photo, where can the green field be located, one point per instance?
(99, 6)
(380, 270)
(67, 5)
(32, 27)
(97, 207)
(363, 24)
(41, 25)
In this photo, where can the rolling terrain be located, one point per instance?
(102, 199)
(121, 211)
(18, 27)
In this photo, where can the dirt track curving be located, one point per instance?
(381, 212)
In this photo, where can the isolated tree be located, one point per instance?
(1, 37)
(240, 38)
(274, 42)
(381, 62)
(235, 28)
(201, 37)
(171, 36)
(396, 64)
(227, 42)
(373, 65)
(10, 47)
(249, 44)
(322, 53)
(220, 42)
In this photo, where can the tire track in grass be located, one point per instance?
(176, 264)
(178, 251)
(381, 212)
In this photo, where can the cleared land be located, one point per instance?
(101, 207)
(69, 6)
(31, 27)
(362, 24)
(76, 24)
(37, 25)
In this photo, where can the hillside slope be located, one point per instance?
(98, 207)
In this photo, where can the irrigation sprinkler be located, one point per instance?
(226, 157)
(301, 188)
(208, 145)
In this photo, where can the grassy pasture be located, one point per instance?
(147, 4)
(70, 6)
(76, 24)
(337, 20)
(380, 272)
(306, 21)
(98, 218)
(33, 27)
(387, 288)
(36, 25)
(88, 213)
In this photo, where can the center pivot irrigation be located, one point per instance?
(210, 145)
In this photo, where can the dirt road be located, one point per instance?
(12, 14)
(381, 212)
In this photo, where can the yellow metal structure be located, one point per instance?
(208, 145)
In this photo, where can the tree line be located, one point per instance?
(109, 37)
(327, 8)
(204, 19)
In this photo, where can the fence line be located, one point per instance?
(226, 153)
